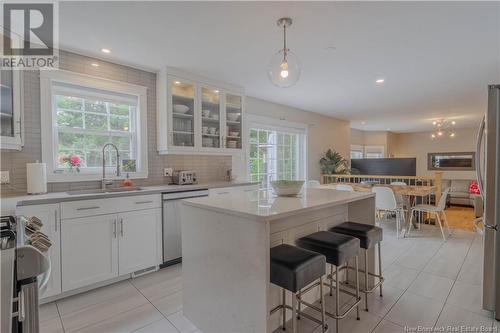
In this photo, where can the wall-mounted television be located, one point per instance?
(385, 166)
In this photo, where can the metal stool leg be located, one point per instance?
(283, 311)
(322, 300)
(331, 280)
(366, 280)
(294, 313)
(357, 287)
(298, 306)
(337, 298)
(380, 266)
(347, 272)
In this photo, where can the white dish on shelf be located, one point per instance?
(180, 108)
(233, 116)
(205, 113)
(234, 134)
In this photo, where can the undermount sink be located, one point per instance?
(107, 190)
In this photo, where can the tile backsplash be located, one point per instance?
(208, 168)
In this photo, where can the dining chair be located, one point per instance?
(434, 210)
(385, 202)
(313, 184)
(400, 199)
(343, 187)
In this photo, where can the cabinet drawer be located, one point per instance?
(81, 208)
(233, 189)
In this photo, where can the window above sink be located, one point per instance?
(80, 114)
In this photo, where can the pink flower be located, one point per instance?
(75, 160)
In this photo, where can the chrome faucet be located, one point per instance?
(105, 182)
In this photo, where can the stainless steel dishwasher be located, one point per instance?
(172, 228)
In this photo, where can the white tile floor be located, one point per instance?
(429, 283)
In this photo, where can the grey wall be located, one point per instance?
(209, 168)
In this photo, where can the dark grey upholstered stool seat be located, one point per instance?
(338, 250)
(369, 236)
(292, 269)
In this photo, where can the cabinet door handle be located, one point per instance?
(114, 228)
(143, 202)
(223, 193)
(87, 208)
(55, 220)
(121, 227)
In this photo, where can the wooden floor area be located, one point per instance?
(461, 217)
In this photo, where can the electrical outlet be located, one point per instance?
(4, 177)
(167, 172)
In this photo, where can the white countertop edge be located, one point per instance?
(269, 218)
(56, 197)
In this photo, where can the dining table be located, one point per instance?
(410, 193)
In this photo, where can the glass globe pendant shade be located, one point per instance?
(284, 69)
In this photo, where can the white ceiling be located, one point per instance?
(436, 58)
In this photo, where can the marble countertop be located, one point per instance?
(9, 203)
(264, 205)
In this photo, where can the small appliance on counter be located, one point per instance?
(184, 177)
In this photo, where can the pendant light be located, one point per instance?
(284, 68)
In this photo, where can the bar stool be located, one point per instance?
(292, 269)
(369, 236)
(338, 249)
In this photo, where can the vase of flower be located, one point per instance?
(72, 161)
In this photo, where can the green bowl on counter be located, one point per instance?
(287, 188)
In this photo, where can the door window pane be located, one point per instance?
(274, 156)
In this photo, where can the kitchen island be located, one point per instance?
(225, 248)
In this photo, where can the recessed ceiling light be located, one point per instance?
(216, 91)
(362, 123)
(177, 82)
(105, 50)
(388, 129)
(380, 81)
(95, 64)
(453, 122)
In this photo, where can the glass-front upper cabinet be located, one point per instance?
(10, 109)
(210, 118)
(183, 113)
(234, 105)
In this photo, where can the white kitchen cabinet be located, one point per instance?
(11, 127)
(49, 215)
(233, 189)
(197, 115)
(89, 250)
(138, 240)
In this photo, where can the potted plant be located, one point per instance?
(332, 163)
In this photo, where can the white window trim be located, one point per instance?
(273, 124)
(380, 148)
(47, 77)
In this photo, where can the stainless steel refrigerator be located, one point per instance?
(488, 174)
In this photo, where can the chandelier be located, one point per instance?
(443, 128)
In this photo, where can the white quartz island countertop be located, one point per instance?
(265, 205)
